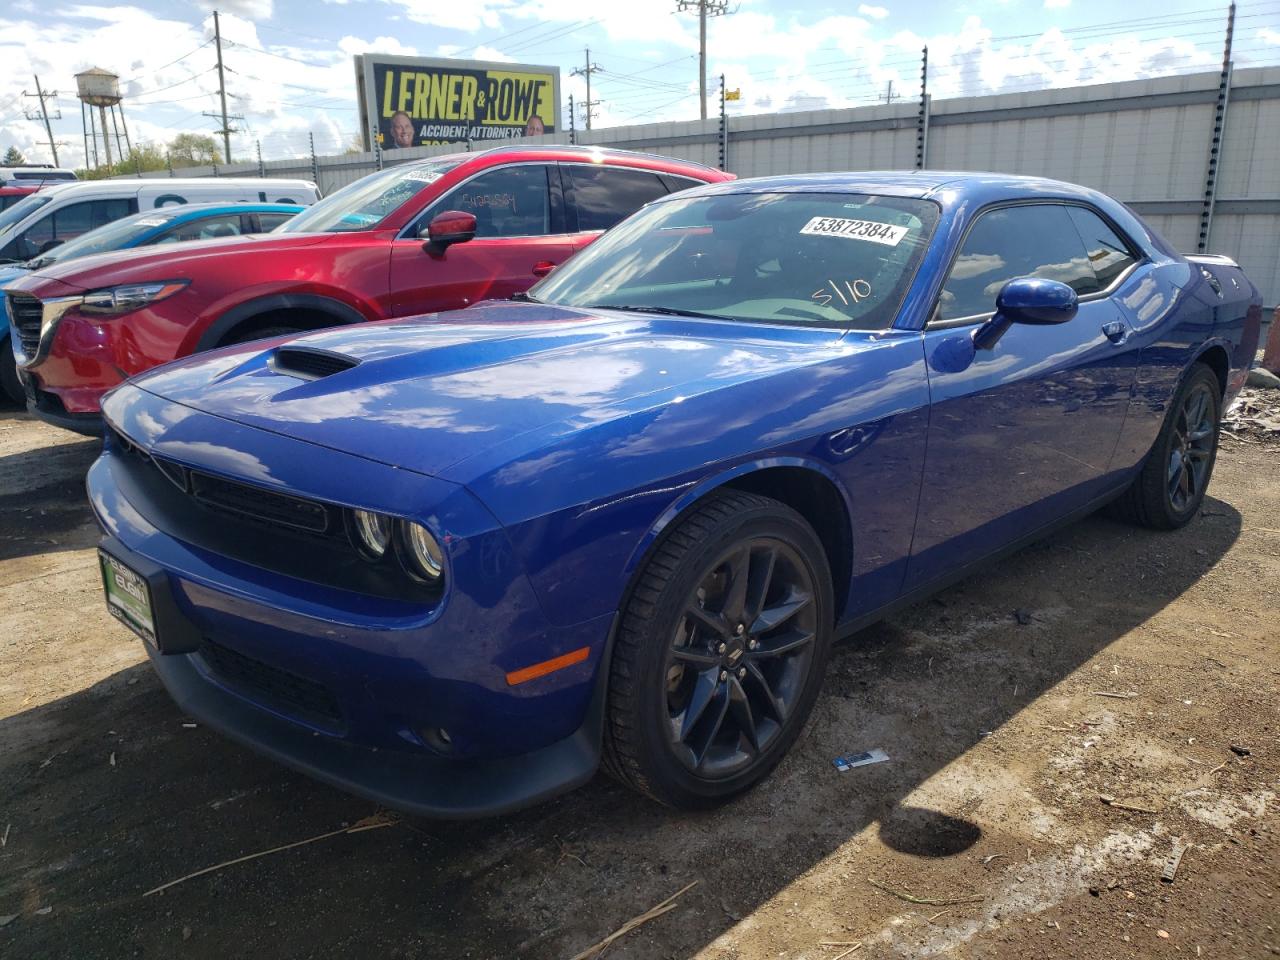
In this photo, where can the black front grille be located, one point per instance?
(259, 504)
(304, 698)
(311, 364)
(25, 314)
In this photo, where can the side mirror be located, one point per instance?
(448, 228)
(1027, 300)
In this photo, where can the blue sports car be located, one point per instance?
(173, 224)
(454, 563)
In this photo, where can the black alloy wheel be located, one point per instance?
(740, 656)
(1168, 490)
(719, 653)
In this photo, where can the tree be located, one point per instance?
(194, 150)
(143, 158)
(13, 157)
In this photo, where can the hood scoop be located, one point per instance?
(307, 363)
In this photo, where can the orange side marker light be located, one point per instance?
(533, 672)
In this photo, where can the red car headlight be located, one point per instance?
(130, 296)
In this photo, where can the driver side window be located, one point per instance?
(507, 202)
(1030, 240)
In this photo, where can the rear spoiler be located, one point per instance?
(1217, 259)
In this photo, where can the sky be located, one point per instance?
(290, 71)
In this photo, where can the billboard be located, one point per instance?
(421, 101)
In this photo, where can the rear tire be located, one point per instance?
(9, 382)
(1169, 489)
(720, 652)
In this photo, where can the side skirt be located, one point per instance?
(847, 629)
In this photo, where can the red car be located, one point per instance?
(430, 235)
(9, 195)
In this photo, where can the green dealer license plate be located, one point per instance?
(128, 597)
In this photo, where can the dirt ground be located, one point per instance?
(988, 699)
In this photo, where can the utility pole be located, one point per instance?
(44, 112)
(922, 117)
(222, 86)
(889, 95)
(588, 69)
(573, 133)
(724, 127)
(1215, 145)
(705, 8)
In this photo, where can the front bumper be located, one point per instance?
(345, 687)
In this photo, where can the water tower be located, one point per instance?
(101, 88)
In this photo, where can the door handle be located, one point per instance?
(543, 267)
(1117, 331)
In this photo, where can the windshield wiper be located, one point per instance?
(525, 297)
(664, 311)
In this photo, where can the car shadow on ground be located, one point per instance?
(110, 795)
(42, 499)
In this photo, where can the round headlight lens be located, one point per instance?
(373, 530)
(425, 556)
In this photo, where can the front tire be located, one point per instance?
(720, 652)
(1169, 489)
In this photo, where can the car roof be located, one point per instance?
(189, 210)
(569, 153)
(920, 184)
(165, 183)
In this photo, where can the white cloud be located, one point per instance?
(255, 9)
(875, 13)
(1056, 4)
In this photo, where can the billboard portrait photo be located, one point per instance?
(423, 101)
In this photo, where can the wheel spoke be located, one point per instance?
(712, 622)
(1197, 456)
(761, 579)
(694, 657)
(777, 646)
(719, 707)
(776, 706)
(735, 599)
(704, 691)
(740, 707)
(776, 616)
(1200, 434)
(1175, 467)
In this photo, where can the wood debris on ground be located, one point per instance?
(655, 911)
(373, 822)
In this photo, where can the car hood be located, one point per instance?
(430, 392)
(164, 262)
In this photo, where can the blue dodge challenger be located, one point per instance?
(455, 563)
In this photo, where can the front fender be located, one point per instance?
(225, 315)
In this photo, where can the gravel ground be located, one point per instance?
(988, 699)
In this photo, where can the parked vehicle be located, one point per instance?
(12, 195)
(387, 245)
(448, 563)
(38, 174)
(60, 213)
(197, 221)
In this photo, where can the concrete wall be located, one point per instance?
(1144, 141)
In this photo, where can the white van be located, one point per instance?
(34, 175)
(60, 213)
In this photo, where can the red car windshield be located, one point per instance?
(367, 202)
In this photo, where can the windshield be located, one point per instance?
(823, 259)
(367, 202)
(20, 211)
(114, 236)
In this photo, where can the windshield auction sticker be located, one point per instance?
(885, 233)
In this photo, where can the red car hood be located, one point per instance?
(163, 262)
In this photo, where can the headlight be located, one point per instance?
(425, 557)
(131, 296)
(373, 532)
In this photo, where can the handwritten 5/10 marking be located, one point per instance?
(854, 291)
